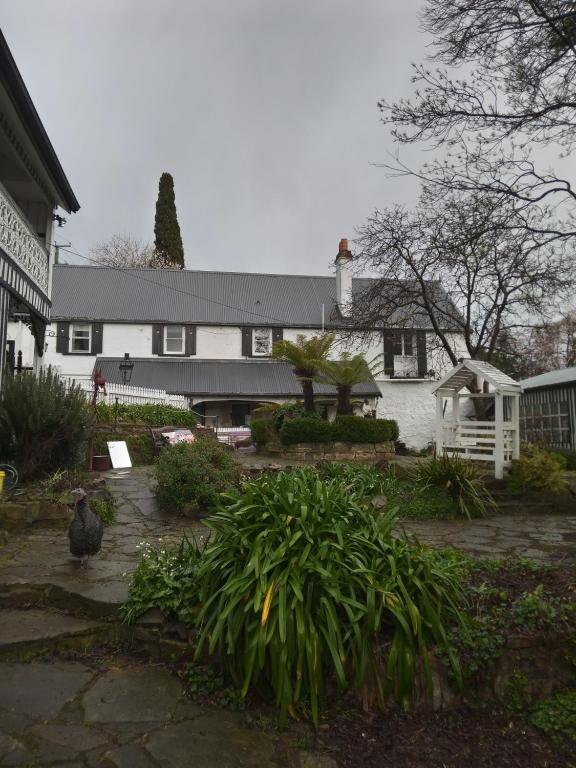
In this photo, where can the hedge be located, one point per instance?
(306, 430)
(158, 415)
(140, 447)
(356, 429)
(262, 431)
(344, 429)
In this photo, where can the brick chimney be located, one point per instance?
(343, 276)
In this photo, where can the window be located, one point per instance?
(405, 357)
(174, 340)
(81, 337)
(547, 423)
(261, 341)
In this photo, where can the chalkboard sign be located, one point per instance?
(119, 455)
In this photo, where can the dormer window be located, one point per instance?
(261, 342)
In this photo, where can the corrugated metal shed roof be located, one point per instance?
(550, 379)
(223, 378)
(209, 298)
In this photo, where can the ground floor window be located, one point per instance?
(545, 422)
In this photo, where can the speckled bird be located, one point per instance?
(86, 529)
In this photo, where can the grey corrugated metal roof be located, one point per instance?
(188, 296)
(550, 379)
(225, 378)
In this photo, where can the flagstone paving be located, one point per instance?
(41, 557)
(83, 714)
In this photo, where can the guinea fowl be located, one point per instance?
(86, 529)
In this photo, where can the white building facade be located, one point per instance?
(209, 336)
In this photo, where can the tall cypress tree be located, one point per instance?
(168, 241)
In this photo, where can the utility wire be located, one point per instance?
(152, 282)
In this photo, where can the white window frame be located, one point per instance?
(408, 362)
(262, 331)
(76, 327)
(182, 349)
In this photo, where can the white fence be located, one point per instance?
(125, 393)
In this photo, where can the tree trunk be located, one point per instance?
(344, 406)
(308, 391)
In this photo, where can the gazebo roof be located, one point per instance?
(465, 373)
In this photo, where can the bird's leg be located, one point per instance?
(85, 562)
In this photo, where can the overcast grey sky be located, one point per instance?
(264, 111)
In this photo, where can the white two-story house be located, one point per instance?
(209, 335)
(32, 186)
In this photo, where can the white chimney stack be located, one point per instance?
(344, 277)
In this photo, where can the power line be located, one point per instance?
(146, 280)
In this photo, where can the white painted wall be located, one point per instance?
(216, 343)
(413, 406)
(24, 341)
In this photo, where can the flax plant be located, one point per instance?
(303, 589)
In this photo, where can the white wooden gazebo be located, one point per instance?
(462, 434)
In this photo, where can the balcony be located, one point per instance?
(23, 248)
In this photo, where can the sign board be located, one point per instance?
(119, 455)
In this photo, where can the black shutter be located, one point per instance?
(190, 340)
(63, 338)
(421, 353)
(97, 333)
(246, 342)
(157, 339)
(389, 342)
(277, 335)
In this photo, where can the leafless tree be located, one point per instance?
(464, 264)
(518, 92)
(126, 251)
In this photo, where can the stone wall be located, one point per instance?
(20, 512)
(332, 451)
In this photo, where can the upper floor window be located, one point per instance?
(261, 341)
(174, 340)
(80, 338)
(258, 342)
(405, 358)
(405, 354)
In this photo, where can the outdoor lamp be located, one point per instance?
(126, 367)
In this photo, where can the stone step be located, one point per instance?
(97, 600)
(25, 632)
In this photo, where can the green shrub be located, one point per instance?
(570, 457)
(537, 470)
(288, 411)
(140, 447)
(461, 479)
(302, 583)
(44, 424)
(361, 479)
(556, 716)
(191, 475)
(166, 578)
(262, 431)
(155, 415)
(305, 430)
(356, 429)
(105, 507)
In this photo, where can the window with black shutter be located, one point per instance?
(405, 354)
(173, 340)
(79, 338)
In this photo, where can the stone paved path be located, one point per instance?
(75, 715)
(42, 558)
(544, 538)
